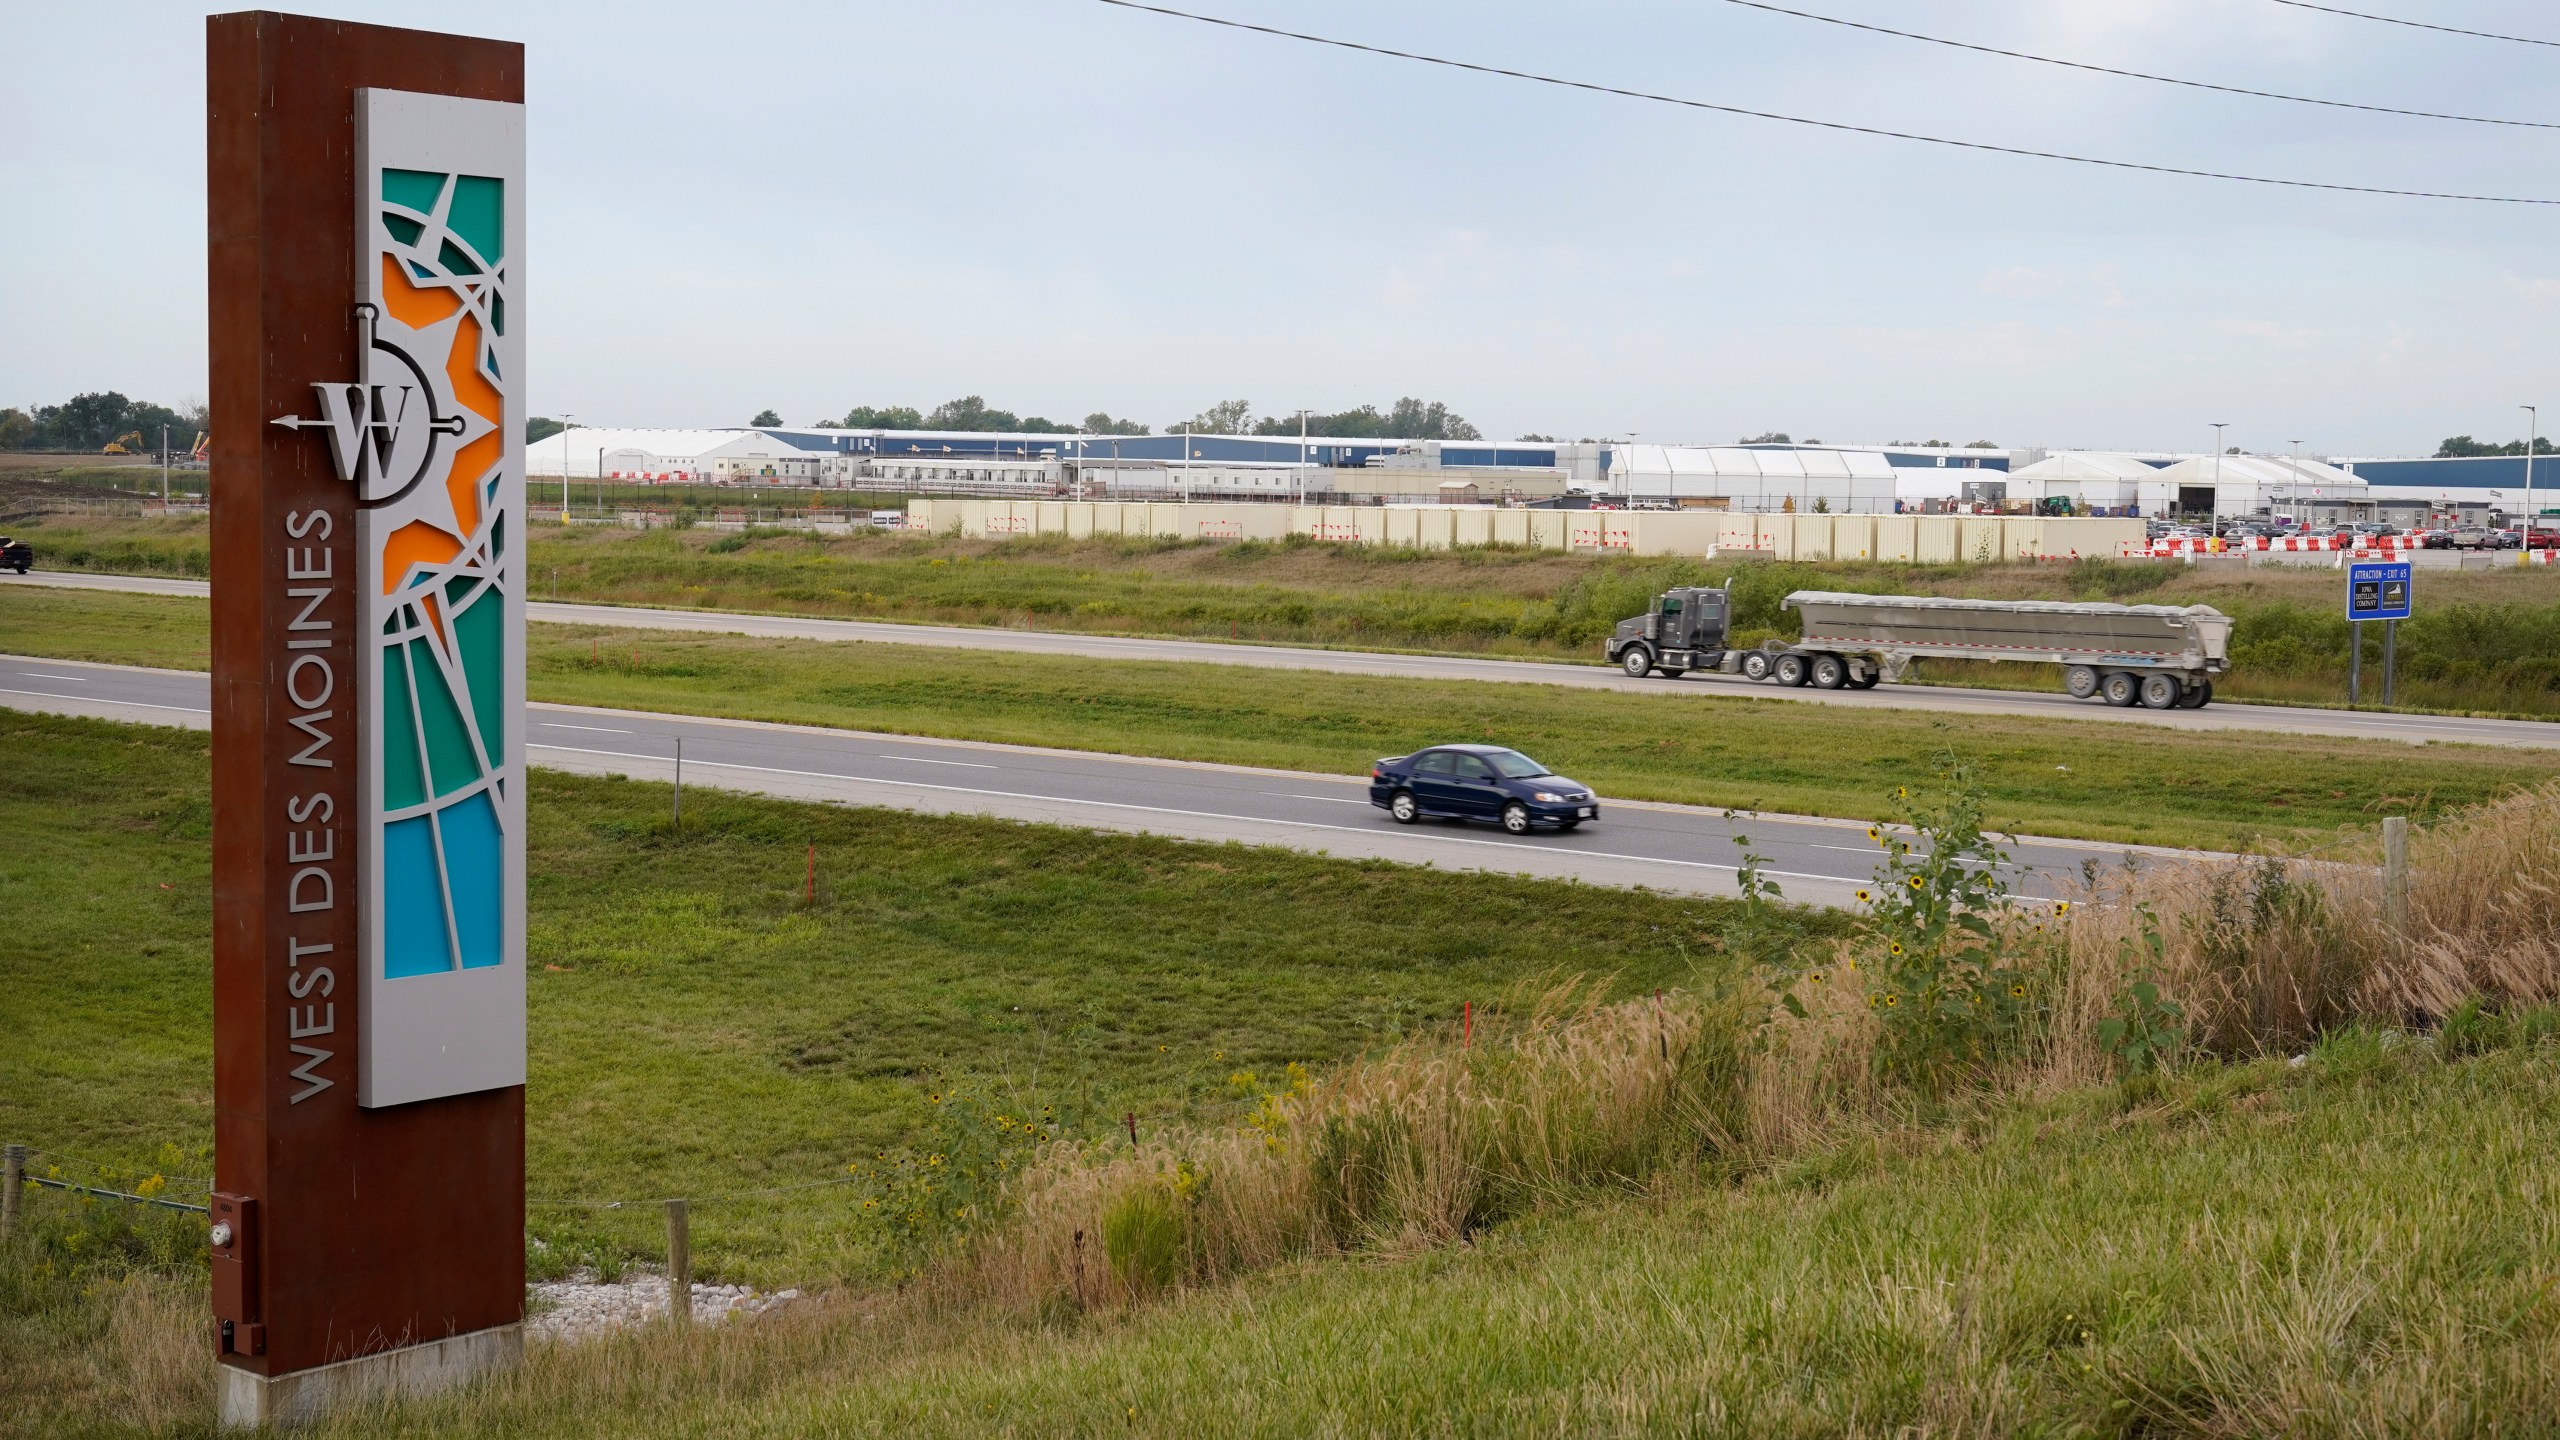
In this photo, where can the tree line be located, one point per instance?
(2463, 447)
(97, 419)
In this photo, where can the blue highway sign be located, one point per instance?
(2378, 591)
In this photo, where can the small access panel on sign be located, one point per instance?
(2378, 591)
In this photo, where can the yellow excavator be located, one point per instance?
(128, 443)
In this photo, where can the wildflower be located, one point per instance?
(1863, 897)
(1896, 947)
(2061, 907)
(1217, 1054)
(1874, 834)
(935, 1098)
(1815, 977)
(1892, 1000)
(2018, 991)
(1902, 792)
(1915, 882)
(1164, 1049)
(936, 1160)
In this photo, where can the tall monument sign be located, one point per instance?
(367, 263)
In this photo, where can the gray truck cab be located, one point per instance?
(1685, 630)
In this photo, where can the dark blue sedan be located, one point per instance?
(1479, 782)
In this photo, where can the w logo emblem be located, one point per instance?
(383, 428)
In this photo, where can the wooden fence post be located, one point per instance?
(2395, 875)
(13, 1176)
(679, 1266)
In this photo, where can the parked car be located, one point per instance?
(2472, 537)
(16, 555)
(1479, 782)
(2434, 539)
(2544, 538)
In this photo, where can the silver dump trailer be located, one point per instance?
(2162, 656)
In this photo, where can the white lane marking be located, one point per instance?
(920, 760)
(94, 700)
(40, 675)
(1336, 799)
(1850, 849)
(1194, 814)
(599, 729)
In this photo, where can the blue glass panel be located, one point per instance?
(471, 852)
(414, 941)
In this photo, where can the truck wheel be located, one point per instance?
(2081, 681)
(1755, 666)
(1867, 681)
(2161, 692)
(2198, 696)
(1670, 674)
(2120, 689)
(1405, 808)
(1830, 672)
(1791, 670)
(1637, 661)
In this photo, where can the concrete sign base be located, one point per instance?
(251, 1400)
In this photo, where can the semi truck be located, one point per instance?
(2160, 656)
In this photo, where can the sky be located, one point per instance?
(1065, 206)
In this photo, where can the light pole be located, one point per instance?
(2532, 437)
(2297, 478)
(568, 423)
(1302, 455)
(2218, 427)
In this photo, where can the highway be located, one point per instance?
(1676, 848)
(2222, 715)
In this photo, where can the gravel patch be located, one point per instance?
(582, 1306)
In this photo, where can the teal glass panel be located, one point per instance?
(402, 785)
(449, 756)
(450, 256)
(477, 634)
(498, 526)
(497, 321)
(403, 229)
(473, 857)
(479, 215)
(421, 271)
(414, 938)
(415, 189)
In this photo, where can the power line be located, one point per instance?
(2137, 74)
(2419, 24)
(1837, 125)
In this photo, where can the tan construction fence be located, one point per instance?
(1922, 538)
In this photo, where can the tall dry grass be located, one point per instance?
(1559, 1093)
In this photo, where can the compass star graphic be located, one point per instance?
(385, 428)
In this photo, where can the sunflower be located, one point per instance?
(1896, 947)
(1874, 834)
(2018, 992)
(1864, 897)
(2061, 907)
(1892, 1000)
(1915, 882)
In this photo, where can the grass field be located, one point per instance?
(697, 1029)
(2482, 641)
(2088, 779)
(2359, 1243)
(2363, 1245)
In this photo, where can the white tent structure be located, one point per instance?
(1733, 477)
(2095, 479)
(2241, 485)
(590, 454)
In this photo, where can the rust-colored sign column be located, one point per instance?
(341, 1230)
